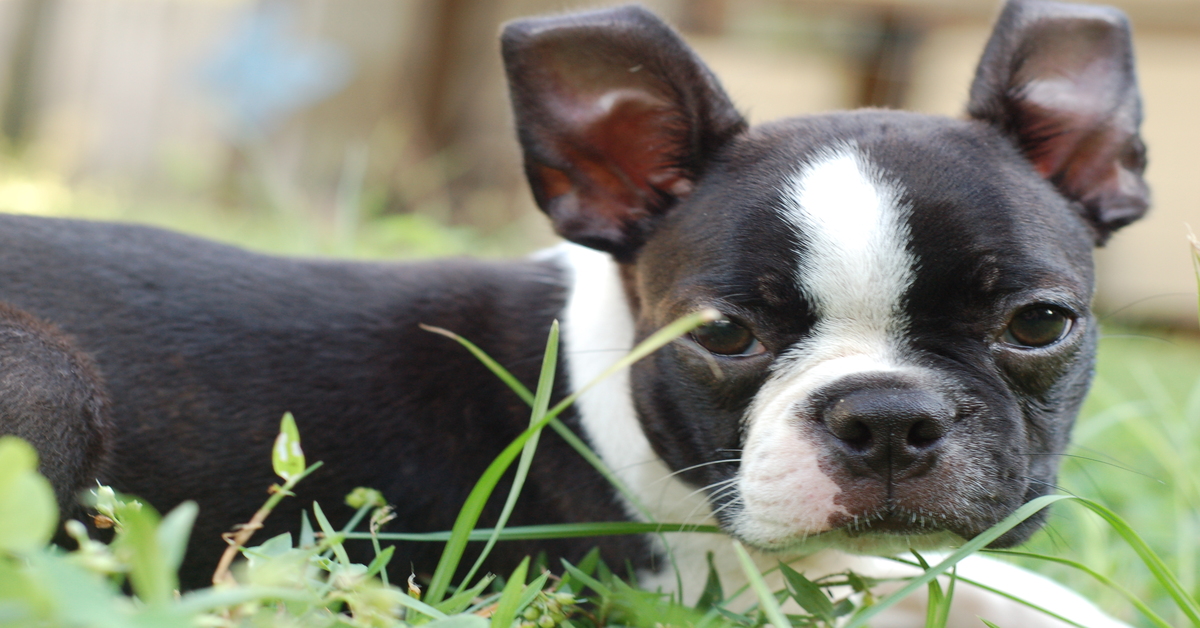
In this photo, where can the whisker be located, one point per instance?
(695, 466)
(726, 487)
(1052, 485)
(715, 486)
(1101, 461)
(1163, 295)
(736, 501)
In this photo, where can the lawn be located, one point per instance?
(1135, 450)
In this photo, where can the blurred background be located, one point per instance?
(380, 128)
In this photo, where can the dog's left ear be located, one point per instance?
(1059, 80)
(616, 117)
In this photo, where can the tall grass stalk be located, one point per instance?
(473, 507)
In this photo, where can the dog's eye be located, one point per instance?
(725, 337)
(1037, 325)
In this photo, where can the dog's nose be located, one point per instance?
(892, 432)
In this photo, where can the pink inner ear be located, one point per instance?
(621, 146)
(1075, 104)
(1083, 153)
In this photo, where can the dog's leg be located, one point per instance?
(52, 396)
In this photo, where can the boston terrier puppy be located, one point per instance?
(904, 341)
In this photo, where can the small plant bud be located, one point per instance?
(363, 496)
(76, 530)
(414, 590)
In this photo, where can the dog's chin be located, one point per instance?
(880, 535)
(858, 542)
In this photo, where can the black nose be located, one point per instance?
(892, 432)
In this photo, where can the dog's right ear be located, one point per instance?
(616, 117)
(1059, 80)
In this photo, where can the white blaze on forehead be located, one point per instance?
(854, 269)
(854, 262)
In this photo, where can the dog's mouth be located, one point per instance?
(885, 528)
(896, 521)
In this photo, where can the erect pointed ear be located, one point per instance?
(616, 117)
(1059, 80)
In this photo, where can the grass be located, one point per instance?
(295, 229)
(1134, 451)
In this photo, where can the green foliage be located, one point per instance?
(287, 459)
(28, 511)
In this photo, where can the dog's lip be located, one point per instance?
(897, 522)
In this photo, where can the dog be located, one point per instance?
(904, 339)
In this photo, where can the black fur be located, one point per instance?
(52, 396)
(205, 346)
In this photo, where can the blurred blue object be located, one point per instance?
(263, 72)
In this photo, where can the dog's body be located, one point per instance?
(905, 341)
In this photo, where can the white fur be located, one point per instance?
(854, 270)
(597, 330)
(855, 264)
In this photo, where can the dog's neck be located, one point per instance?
(598, 330)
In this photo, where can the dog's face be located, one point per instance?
(906, 335)
(905, 341)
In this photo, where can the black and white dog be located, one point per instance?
(904, 344)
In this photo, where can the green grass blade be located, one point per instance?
(214, 599)
(766, 599)
(541, 402)
(1187, 604)
(532, 590)
(936, 598)
(968, 548)
(1003, 594)
(1103, 579)
(547, 531)
(656, 341)
(492, 365)
(469, 515)
(473, 506)
(460, 601)
(507, 606)
(1182, 598)
(810, 596)
(381, 561)
(333, 537)
(586, 580)
(565, 432)
(413, 603)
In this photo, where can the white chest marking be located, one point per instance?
(598, 330)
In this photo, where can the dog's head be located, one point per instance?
(906, 336)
